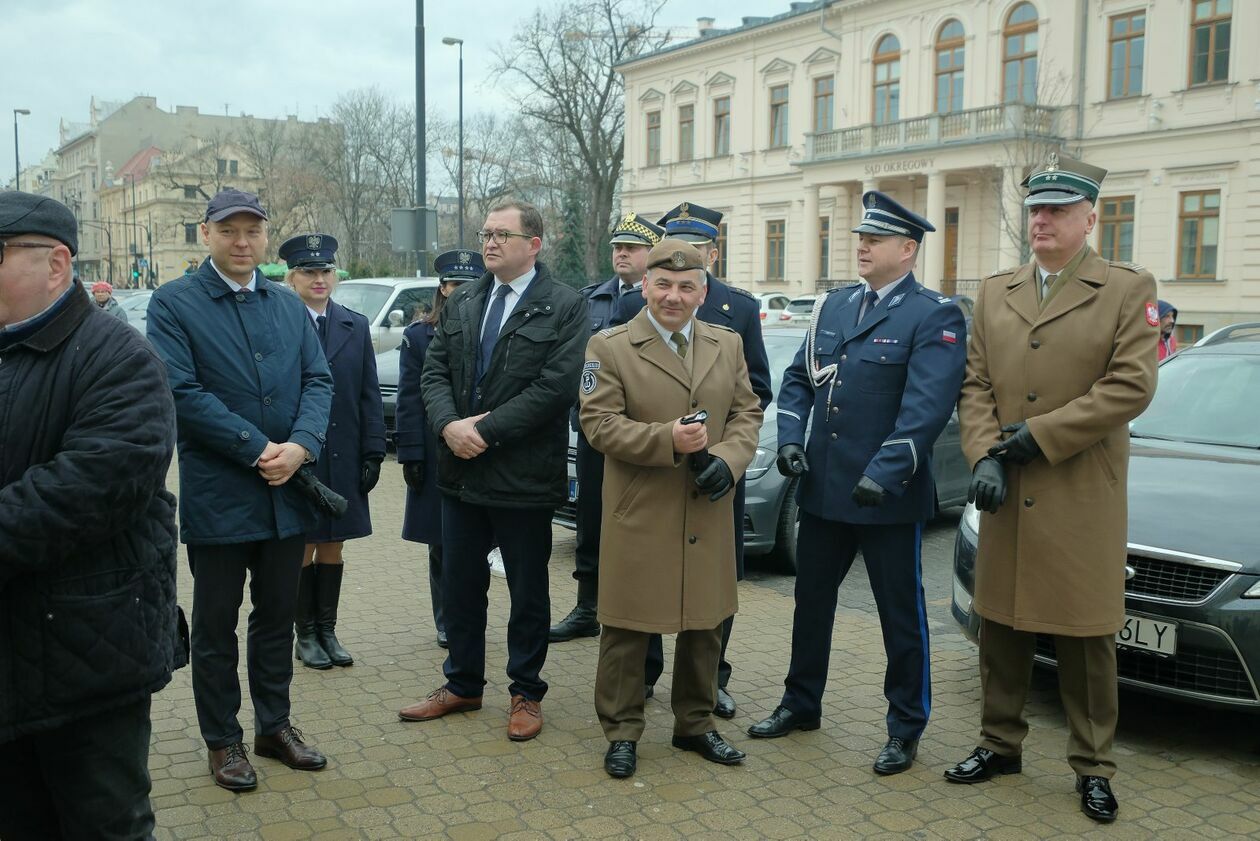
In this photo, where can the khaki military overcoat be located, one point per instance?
(1052, 559)
(667, 554)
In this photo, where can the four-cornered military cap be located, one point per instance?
(459, 266)
(232, 201)
(675, 254)
(633, 229)
(692, 223)
(881, 216)
(27, 213)
(1062, 180)
(310, 251)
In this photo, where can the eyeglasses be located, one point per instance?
(11, 244)
(499, 236)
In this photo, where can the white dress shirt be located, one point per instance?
(518, 288)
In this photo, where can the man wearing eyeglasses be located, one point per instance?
(498, 382)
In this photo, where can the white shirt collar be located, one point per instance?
(668, 335)
(520, 284)
(232, 284)
(315, 315)
(883, 291)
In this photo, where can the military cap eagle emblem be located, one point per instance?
(314, 242)
(684, 211)
(678, 259)
(870, 201)
(1052, 163)
(465, 257)
(627, 220)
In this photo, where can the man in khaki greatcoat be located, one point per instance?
(667, 534)
(1059, 362)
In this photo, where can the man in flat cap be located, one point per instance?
(252, 395)
(879, 370)
(632, 239)
(1060, 362)
(89, 628)
(667, 540)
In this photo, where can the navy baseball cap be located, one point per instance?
(310, 251)
(232, 201)
(460, 265)
(27, 213)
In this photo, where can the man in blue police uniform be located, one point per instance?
(632, 239)
(880, 368)
(735, 309)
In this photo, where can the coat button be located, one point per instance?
(243, 435)
(240, 298)
(833, 436)
(694, 404)
(334, 455)
(835, 410)
(843, 356)
(1028, 502)
(691, 539)
(883, 359)
(333, 424)
(258, 357)
(1032, 397)
(1034, 344)
(266, 401)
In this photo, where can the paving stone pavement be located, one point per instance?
(1184, 773)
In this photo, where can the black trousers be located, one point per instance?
(824, 554)
(590, 508)
(435, 585)
(523, 535)
(656, 653)
(86, 779)
(274, 567)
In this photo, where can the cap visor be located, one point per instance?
(692, 238)
(219, 216)
(313, 266)
(875, 230)
(1053, 197)
(457, 278)
(628, 239)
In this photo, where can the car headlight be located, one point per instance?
(971, 518)
(762, 461)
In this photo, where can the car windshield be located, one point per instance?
(801, 305)
(365, 298)
(137, 303)
(781, 349)
(1205, 398)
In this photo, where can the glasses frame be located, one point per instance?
(500, 237)
(19, 244)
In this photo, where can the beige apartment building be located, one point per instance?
(783, 122)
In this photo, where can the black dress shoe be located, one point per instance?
(725, 706)
(983, 764)
(781, 722)
(648, 691)
(897, 756)
(1097, 801)
(620, 761)
(443, 642)
(711, 746)
(580, 622)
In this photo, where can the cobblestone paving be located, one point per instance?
(1184, 773)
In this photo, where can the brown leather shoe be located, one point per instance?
(288, 747)
(524, 719)
(438, 704)
(231, 769)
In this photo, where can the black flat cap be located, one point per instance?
(27, 213)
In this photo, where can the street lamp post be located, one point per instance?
(452, 42)
(17, 161)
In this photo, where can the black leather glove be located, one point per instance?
(370, 475)
(791, 461)
(716, 479)
(868, 493)
(988, 485)
(1020, 448)
(413, 475)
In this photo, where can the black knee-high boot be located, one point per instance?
(308, 649)
(327, 595)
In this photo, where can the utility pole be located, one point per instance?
(421, 191)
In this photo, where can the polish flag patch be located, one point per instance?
(949, 336)
(1152, 314)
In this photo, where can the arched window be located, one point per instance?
(1019, 55)
(887, 103)
(949, 67)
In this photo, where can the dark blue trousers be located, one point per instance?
(590, 508)
(824, 554)
(523, 535)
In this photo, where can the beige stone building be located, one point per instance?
(783, 122)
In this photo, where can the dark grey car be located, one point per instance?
(1192, 598)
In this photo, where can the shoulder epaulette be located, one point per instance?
(1011, 270)
(743, 292)
(934, 295)
(609, 332)
(841, 287)
(720, 327)
(1124, 264)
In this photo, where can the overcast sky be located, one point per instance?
(268, 58)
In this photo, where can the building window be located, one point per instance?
(654, 138)
(1199, 230)
(1209, 41)
(824, 247)
(950, 49)
(778, 116)
(1188, 334)
(686, 132)
(190, 233)
(824, 107)
(719, 265)
(1115, 228)
(1019, 55)
(774, 249)
(887, 104)
(221, 166)
(1126, 41)
(721, 126)
(233, 167)
(190, 192)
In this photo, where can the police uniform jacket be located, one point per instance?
(603, 301)
(356, 423)
(895, 386)
(1052, 559)
(528, 391)
(422, 520)
(245, 369)
(665, 549)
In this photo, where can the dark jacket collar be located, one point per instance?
(216, 287)
(76, 307)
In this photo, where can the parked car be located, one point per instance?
(770, 514)
(1192, 594)
(387, 374)
(136, 305)
(390, 304)
(798, 310)
(772, 306)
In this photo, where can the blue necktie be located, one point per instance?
(872, 301)
(494, 320)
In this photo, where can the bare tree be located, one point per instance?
(278, 154)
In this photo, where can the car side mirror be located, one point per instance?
(395, 318)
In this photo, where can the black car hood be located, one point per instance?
(1196, 498)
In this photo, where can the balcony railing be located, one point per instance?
(993, 122)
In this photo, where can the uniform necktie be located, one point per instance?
(868, 304)
(494, 321)
(680, 342)
(1046, 283)
(321, 327)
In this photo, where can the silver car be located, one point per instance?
(390, 304)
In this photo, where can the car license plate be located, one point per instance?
(1147, 634)
(573, 489)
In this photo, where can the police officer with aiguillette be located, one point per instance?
(734, 309)
(880, 370)
(632, 238)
